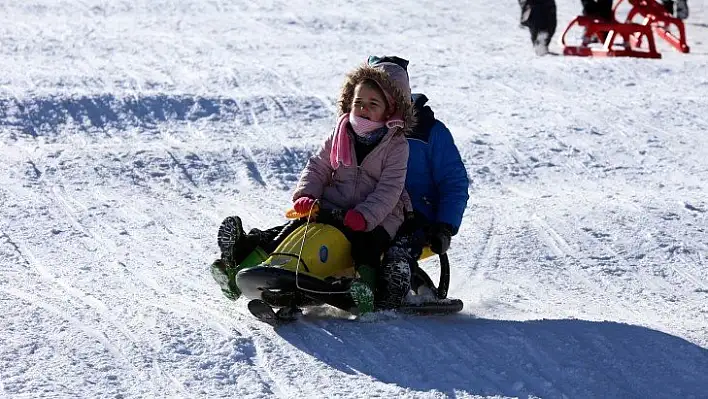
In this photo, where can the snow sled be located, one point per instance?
(637, 40)
(665, 25)
(645, 18)
(313, 266)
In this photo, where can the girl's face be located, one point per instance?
(369, 103)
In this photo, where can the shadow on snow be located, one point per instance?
(43, 115)
(546, 358)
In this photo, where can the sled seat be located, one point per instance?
(665, 25)
(607, 34)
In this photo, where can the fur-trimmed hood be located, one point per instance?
(393, 80)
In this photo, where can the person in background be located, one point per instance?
(539, 16)
(602, 9)
(681, 8)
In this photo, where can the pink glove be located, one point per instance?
(303, 204)
(355, 220)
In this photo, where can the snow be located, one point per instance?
(130, 129)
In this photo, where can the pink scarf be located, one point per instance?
(341, 148)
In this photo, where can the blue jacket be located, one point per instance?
(436, 180)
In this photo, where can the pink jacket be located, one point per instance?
(372, 186)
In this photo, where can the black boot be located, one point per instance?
(233, 241)
(394, 279)
(235, 246)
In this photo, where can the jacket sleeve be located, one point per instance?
(382, 201)
(450, 177)
(317, 173)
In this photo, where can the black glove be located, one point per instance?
(439, 236)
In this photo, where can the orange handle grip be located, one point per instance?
(293, 214)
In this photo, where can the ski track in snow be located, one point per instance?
(129, 130)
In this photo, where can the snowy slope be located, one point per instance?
(130, 129)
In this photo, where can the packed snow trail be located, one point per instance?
(129, 130)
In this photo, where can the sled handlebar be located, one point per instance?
(444, 284)
(335, 217)
(293, 214)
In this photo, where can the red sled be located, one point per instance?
(637, 39)
(665, 25)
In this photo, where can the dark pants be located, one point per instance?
(269, 239)
(603, 8)
(598, 9)
(409, 242)
(680, 6)
(367, 247)
(540, 17)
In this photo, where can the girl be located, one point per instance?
(361, 167)
(360, 170)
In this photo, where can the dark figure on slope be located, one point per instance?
(681, 10)
(540, 17)
(602, 9)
